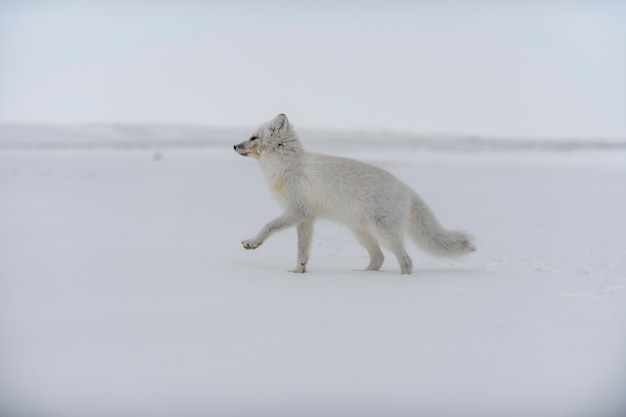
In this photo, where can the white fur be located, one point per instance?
(377, 206)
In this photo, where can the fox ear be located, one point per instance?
(280, 123)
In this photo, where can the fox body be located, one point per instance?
(374, 204)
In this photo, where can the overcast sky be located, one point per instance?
(517, 69)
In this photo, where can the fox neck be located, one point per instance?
(278, 162)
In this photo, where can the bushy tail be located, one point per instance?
(428, 234)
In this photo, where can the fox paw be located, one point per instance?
(251, 244)
(299, 269)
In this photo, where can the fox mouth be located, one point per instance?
(241, 151)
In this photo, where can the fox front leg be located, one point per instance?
(305, 236)
(265, 232)
(287, 219)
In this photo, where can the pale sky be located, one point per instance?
(529, 69)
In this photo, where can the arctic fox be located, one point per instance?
(376, 205)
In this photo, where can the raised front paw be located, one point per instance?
(251, 244)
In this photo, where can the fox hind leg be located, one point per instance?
(376, 255)
(396, 245)
(393, 237)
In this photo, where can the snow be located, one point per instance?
(124, 289)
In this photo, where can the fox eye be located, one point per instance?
(253, 138)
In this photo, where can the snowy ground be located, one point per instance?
(125, 292)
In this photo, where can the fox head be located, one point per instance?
(269, 137)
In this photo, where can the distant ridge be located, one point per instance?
(121, 136)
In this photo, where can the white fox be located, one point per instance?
(376, 205)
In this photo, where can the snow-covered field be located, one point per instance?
(125, 292)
